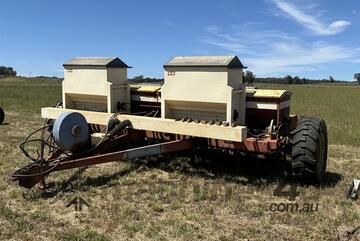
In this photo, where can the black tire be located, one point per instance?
(2, 116)
(309, 150)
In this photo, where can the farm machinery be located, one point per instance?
(203, 103)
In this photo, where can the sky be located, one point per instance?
(306, 38)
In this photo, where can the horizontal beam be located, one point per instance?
(144, 151)
(228, 133)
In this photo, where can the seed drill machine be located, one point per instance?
(203, 102)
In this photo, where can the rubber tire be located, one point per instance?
(309, 150)
(2, 116)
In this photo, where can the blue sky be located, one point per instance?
(313, 39)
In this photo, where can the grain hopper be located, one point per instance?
(96, 84)
(204, 88)
(202, 103)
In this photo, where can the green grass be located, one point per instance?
(338, 105)
(159, 199)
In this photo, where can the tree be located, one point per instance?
(357, 77)
(331, 79)
(297, 80)
(138, 77)
(7, 71)
(249, 77)
(288, 79)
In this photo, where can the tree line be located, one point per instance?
(7, 71)
(142, 79)
(250, 78)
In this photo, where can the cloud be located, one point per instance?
(295, 58)
(274, 52)
(310, 21)
(241, 38)
(222, 40)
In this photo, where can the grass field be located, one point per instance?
(181, 199)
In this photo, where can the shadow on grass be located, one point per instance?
(243, 170)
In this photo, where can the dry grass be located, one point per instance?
(182, 199)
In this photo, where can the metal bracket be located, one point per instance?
(354, 189)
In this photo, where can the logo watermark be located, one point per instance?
(291, 206)
(291, 194)
(221, 192)
(294, 207)
(78, 203)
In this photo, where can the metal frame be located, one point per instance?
(34, 173)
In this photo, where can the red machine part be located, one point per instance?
(251, 144)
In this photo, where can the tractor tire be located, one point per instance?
(2, 116)
(309, 150)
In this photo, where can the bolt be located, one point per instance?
(76, 130)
